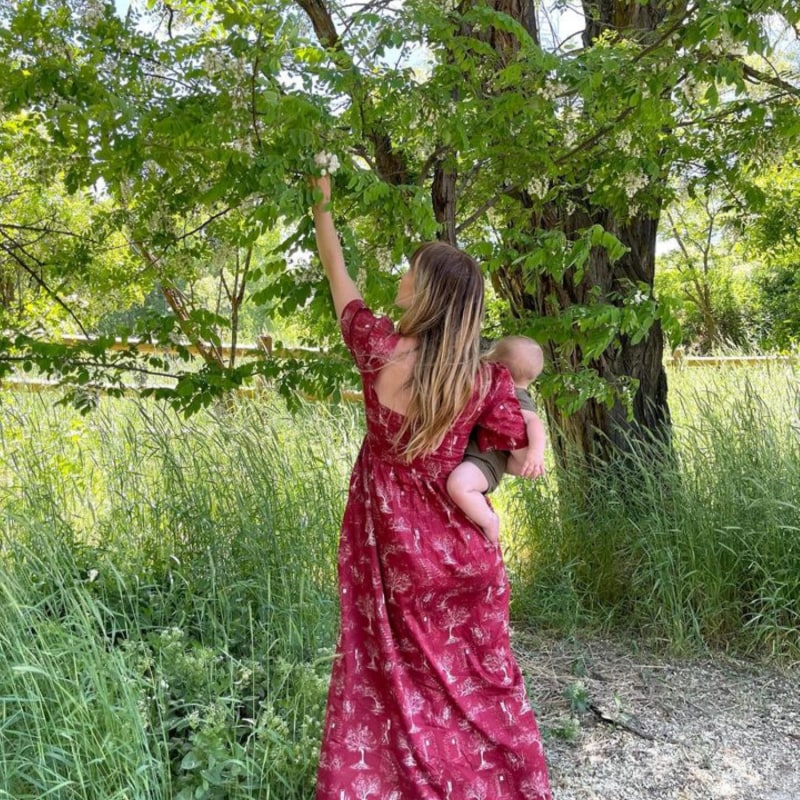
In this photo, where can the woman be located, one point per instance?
(426, 700)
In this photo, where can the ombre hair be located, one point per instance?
(445, 318)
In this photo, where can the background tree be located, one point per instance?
(707, 273)
(772, 239)
(53, 272)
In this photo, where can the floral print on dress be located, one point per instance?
(426, 700)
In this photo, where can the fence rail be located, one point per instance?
(264, 348)
(679, 360)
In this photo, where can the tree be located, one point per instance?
(553, 164)
(548, 157)
(734, 264)
(706, 271)
(49, 257)
(772, 239)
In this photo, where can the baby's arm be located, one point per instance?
(528, 462)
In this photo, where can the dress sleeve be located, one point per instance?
(369, 338)
(501, 425)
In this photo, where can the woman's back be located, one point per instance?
(393, 382)
(386, 361)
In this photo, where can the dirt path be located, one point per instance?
(623, 724)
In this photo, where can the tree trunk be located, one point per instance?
(443, 200)
(7, 289)
(595, 433)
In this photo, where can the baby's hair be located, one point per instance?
(523, 357)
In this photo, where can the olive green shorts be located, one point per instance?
(492, 464)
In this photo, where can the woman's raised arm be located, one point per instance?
(343, 288)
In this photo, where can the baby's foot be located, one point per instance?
(491, 530)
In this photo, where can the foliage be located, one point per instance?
(772, 237)
(779, 286)
(549, 160)
(59, 271)
(732, 307)
(168, 591)
(732, 266)
(168, 599)
(699, 271)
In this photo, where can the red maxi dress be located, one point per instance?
(426, 701)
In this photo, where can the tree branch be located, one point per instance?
(757, 76)
(323, 23)
(391, 166)
(10, 251)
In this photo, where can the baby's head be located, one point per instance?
(522, 356)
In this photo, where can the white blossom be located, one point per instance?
(552, 90)
(635, 181)
(691, 89)
(724, 44)
(537, 187)
(328, 163)
(213, 62)
(244, 146)
(93, 13)
(624, 140)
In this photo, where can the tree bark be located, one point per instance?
(443, 198)
(597, 434)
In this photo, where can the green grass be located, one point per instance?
(169, 598)
(167, 607)
(706, 554)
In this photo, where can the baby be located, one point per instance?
(479, 473)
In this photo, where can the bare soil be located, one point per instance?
(622, 723)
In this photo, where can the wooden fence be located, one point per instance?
(678, 359)
(264, 349)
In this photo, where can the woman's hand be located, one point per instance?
(323, 184)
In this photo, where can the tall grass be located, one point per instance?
(167, 587)
(704, 551)
(168, 598)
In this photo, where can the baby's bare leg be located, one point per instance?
(466, 485)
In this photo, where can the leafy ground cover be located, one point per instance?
(169, 599)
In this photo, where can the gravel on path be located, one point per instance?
(622, 723)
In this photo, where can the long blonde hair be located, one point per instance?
(445, 318)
